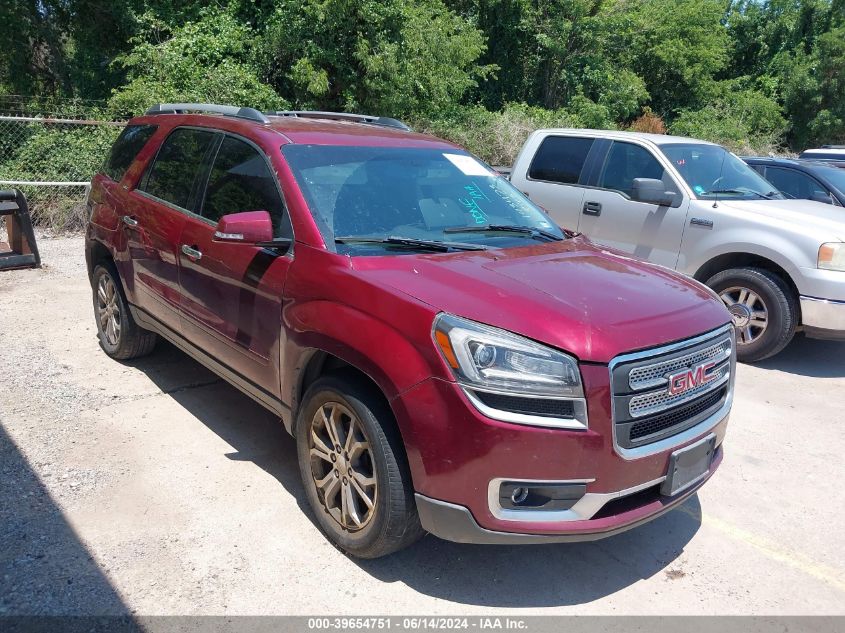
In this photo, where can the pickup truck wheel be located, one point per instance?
(353, 468)
(763, 309)
(119, 335)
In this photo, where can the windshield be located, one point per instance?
(411, 193)
(713, 173)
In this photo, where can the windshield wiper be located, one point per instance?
(506, 228)
(410, 242)
(765, 196)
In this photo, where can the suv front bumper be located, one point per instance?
(453, 522)
(823, 318)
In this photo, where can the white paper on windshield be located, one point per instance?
(468, 165)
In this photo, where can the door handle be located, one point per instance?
(128, 220)
(193, 253)
(592, 208)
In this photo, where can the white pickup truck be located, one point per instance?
(692, 206)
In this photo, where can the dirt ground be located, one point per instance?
(152, 487)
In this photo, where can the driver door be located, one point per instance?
(232, 291)
(609, 216)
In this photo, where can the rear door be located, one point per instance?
(610, 217)
(155, 215)
(231, 293)
(553, 176)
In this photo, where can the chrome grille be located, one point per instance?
(654, 375)
(656, 401)
(644, 412)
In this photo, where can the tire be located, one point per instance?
(748, 293)
(119, 335)
(393, 522)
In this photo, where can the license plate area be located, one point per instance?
(688, 466)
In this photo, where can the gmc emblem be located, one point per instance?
(690, 378)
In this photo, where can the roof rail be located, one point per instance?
(343, 116)
(251, 114)
(833, 147)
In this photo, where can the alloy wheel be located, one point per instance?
(342, 466)
(108, 309)
(749, 313)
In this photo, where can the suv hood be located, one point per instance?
(809, 215)
(588, 301)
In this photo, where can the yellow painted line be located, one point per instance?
(770, 549)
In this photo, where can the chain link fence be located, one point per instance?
(51, 152)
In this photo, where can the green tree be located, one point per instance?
(390, 57)
(207, 60)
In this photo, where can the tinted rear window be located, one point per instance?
(560, 159)
(172, 176)
(131, 140)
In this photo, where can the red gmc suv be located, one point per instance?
(447, 358)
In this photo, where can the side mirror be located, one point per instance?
(248, 227)
(818, 196)
(652, 191)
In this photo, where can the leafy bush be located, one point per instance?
(210, 60)
(390, 57)
(497, 137)
(746, 121)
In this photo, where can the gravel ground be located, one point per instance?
(152, 487)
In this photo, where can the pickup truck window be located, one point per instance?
(714, 173)
(626, 161)
(414, 193)
(560, 159)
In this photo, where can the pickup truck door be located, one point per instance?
(609, 216)
(231, 292)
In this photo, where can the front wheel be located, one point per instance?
(763, 309)
(353, 468)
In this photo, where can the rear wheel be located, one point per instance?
(763, 309)
(119, 335)
(354, 469)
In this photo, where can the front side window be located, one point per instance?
(131, 141)
(241, 181)
(626, 161)
(712, 172)
(793, 183)
(172, 176)
(560, 159)
(415, 193)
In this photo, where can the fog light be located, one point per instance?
(519, 495)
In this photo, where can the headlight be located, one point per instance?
(832, 256)
(485, 357)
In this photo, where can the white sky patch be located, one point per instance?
(468, 165)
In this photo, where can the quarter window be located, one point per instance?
(179, 160)
(560, 159)
(241, 181)
(626, 161)
(131, 141)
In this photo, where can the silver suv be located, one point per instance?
(692, 206)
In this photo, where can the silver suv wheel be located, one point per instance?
(749, 313)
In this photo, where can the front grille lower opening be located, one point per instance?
(628, 503)
(543, 407)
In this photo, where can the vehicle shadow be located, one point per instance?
(503, 576)
(809, 357)
(45, 570)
